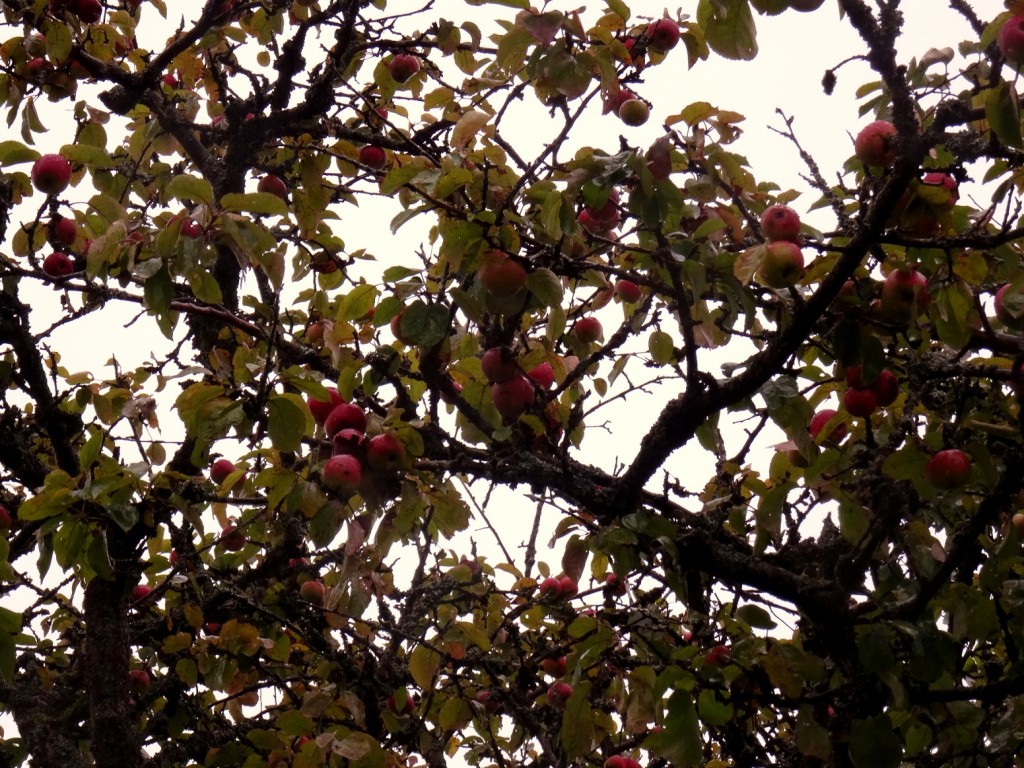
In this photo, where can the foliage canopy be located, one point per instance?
(207, 561)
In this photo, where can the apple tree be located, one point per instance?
(319, 498)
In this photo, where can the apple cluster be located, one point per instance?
(782, 262)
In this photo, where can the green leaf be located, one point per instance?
(95, 157)
(186, 187)
(90, 450)
(425, 324)
(619, 7)
(711, 710)
(159, 291)
(294, 723)
(399, 177)
(812, 739)
(729, 28)
(423, 666)
(874, 744)
(255, 202)
(187, 671)
(545, 285)
(287, 415)
(679, 742)
(578, 722)
(358, 302)
(755, 616)
(661, 347)
(205, 286)
(14, 152)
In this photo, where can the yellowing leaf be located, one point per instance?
(469, 125)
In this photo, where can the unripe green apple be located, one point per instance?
(782, 264)
(634, 112)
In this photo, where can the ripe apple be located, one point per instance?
(220, 470)
(51, 174)
(345, 416)
(191, 229)
(875, 145)
(662, 35)
(89, 11)
(588, 222)
(312, 592)
(347, 441)
(588, 329)
(860, 402)
(385, 451)
(501, 275)
(634, 112)
(58, 264)
(403, 66)
(608, 214)
(948, 469)
(6, 519)
(321, 409)
(613, 585)
(782, 264)
(717, 656)
(628, 291)
(542, 375)
(554, 667)
(140, 592)
(615, 99)
(818, 422)
(401, 703)
(138, 680)
(342, 473)
(568, 587)
(171, 81)
(38, 69)
(550, 588)
(499, 364)
(904, 295)
(373, 157)
(938, 190)
(558, 694)
(273, 185)
(1011, 40)
(1010, 311)
(780, 222)
(1017, 521)
(231, 538)
(886, 388)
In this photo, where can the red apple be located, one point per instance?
(617, 761)
(634, 112)
(662, 35)
(51, 174)
(499, 364)
(140, 592)
(904, 295)
(312, 592)
(58, 264)
(89, 11)
(613, 585)
(273, 185)
(231, 538)
(542, 375)
(549, 588)
(860, 402)
(321, 409)
(588, 329)
(345, 416)
(886, 388)
(403, 66)
(938, 190)
(6, 519)
(568, 587)
(63, 230)
(347, 441)
(501, 275)
(401, 703)
(875, 145)
(782, 264)
(373, 157)
(587, 220)
(385, 451)
(558, 694)
(1011, 40)
(1010, 311)
(628, 291)
(717, 656)
(342, 473)
(554, 667)
(138, 680)
(615, 99)
(780, 222)
(948, 469)
(220, 470)
(818, 422)
(171, 81)
(191, 229)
